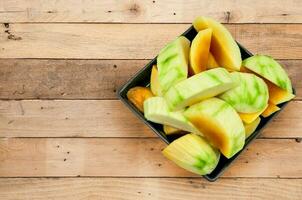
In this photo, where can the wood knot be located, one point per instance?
(134, 8)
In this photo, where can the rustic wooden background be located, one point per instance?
(64, 134)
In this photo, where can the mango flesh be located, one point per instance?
(157, 110)
(223, 47)
(170, 130)
(199, 51)
(198, 87)
(172, 63)
(270, 69)
(154, 82)
(271, 108)
(278, 95)
(193, 153)
(210, 117)
(138, 95)
(212, 63)
(251, 94)
(251, 127)
(250, 117)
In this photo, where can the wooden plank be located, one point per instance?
(108, 157)
(64, 79)
(93, 118)
(145, 11)
(83, 79)
(133, 41)
(149, 188)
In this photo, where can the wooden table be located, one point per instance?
(64, 134)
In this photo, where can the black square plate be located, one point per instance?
(142, 78)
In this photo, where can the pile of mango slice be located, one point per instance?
(204, 92)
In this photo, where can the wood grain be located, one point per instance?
(146, 11)
(94, 118)
(134, 158)
(134, 41)
(149, 188)
(83, 79)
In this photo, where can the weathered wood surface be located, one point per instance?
(105, 118)
(125, 157)
(83, 79)
(148, 11)
(74, 55)
(134, 41)
(149, 188)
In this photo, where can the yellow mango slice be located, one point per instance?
(154, 82)
(219, 123)
(170, 130)
(250, 117)
(251, 127)
(223, 47)
(272, 108)
(199, 51)
(137, 96)
(212, 63)
(278, 95)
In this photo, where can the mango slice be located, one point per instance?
(137, 96)
(250, 117)
(223, 47)
(219, 123)
(270, 69)
(251, 127)
(278, 95)
(193, 153)
(251, 94)
(157, 110)
(272, 108)
(199, 51)
(212, 63)
(170, 130)
(154, 82)
(198, 87)
(172, 63)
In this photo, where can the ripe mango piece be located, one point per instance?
(212, 63)
(219, 123)
(172, 63)
(250, 117)
(272, 108)
(278, 95)
(137, 96)
(154, 82)
(199, 51)
(251, 127)
(193, 153)
(223, 47)
(170, 130)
